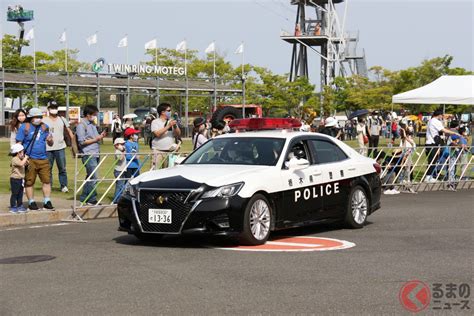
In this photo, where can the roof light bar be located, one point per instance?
(258, 124)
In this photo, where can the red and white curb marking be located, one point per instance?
(299, 243)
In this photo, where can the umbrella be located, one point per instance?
(130, 116)
(358, 113)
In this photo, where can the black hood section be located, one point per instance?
(176, 182)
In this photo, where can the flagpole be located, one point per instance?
(243, 82)
(186, 108)
(126, 36)
(215, 79)
(67, 78)
(34, 68)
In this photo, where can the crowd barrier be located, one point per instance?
(408, 170)
(102, 179)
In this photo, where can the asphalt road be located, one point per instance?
(98, 270)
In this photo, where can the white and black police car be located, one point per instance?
(247, 184)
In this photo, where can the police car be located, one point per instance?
(247, 184)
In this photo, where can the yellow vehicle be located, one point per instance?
(419, 125)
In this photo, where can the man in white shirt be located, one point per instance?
(164, 130)
(433, 140)
(58, 126)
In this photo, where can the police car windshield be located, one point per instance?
(238, 151)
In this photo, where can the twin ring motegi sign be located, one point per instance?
(99, 65)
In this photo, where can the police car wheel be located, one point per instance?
(257, 219)
(148, 237)
(357, 208)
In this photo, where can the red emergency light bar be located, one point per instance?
(259, 124)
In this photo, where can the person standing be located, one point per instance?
(88, 140)
(433, 142)
(131, 152)
(330, 128)
(199, 132)
(59, 128)
(164, 131)
(375, 126)
(120, 168)
(19, 117)
(17, 176)
(116, 128)
(34, 136)
(362, 138)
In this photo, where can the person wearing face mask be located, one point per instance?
(120, 168)
(59, 128)
(88, 139)
(18, 118)
(34, 136)
(164, 130)
(199, 132)
(131, 151)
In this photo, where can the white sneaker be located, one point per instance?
(65, 190)
(430, 179)
(395, 191)
(388, 192)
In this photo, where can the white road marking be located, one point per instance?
(34, 226)
(282, 243)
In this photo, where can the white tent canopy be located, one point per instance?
(444, 90)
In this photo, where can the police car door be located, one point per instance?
(333, 165)
(300, 198)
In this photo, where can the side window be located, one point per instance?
(326, 151)
(298, 150)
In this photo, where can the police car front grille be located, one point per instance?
(171, 200)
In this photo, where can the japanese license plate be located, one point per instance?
(159, 216)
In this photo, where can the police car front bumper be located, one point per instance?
(216, 216)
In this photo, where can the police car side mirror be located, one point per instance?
(297, 164)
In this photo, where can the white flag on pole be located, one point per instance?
(181, 47)
(123, 42)
(30, 35)
(151, 44)
(240, 49)
(211, 48)
(62, 39)
(91, 40)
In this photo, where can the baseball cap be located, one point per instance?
(119, 140)
(455, 137)
(16, 148)
(35, 112)
(330, 122)
(52, 105)
(130, 131)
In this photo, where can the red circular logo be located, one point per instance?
(415, 296)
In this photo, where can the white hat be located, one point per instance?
(330, 122)
(16, 148)
(119, 140)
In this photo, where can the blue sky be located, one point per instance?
(394, 34)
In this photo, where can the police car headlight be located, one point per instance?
(224, 191)
(131, 190)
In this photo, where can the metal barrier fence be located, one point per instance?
(403, 169)
(97, 183)
(424, 168)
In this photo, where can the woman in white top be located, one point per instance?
(361, 130)
(199, 132)
(18, 118)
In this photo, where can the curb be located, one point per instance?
(36, 217)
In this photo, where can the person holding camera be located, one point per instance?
(199, 132)
(164, 130)
(62, 134)
(88, 139)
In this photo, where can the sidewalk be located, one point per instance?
(63, 212)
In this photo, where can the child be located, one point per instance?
(17, 175)
(454, 152)
(131, 149)
(120, 167)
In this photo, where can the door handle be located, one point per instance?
(317, 173)
(351, 169)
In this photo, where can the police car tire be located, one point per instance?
(349, 220)
(148, 237)
(246, 237)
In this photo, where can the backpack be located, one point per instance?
(76, 147)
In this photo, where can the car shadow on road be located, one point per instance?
(207, 241)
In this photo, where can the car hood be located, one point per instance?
(193, 176)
